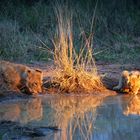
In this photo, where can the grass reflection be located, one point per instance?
(75, 115)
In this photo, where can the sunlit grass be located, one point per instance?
(75, 71)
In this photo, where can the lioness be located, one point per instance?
(20, 78)
(129, 82)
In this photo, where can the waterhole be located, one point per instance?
(71, 117)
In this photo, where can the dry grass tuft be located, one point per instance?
(75, 72)
(77, 81)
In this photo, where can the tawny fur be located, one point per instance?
(129, 82)
(17, 77)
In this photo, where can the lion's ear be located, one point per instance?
(38, 70)
(29, 72)
(40, 73)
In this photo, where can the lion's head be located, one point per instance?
(125, 81)
(131, 81)
(33, 81)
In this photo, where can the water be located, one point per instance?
(83, 117)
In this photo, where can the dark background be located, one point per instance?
(25, 24)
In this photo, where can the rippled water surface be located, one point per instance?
(84, 117)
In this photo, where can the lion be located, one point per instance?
(129, 82)
(20, 78)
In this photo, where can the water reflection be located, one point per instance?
(113, 121)
(75, 115)
(131, 105)
(23, 112)
(80, 117)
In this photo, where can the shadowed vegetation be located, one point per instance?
(27, 28)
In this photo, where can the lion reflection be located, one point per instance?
(23, 112)
(131, 105)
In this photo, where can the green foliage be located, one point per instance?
(19, 46)
(115, 28)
